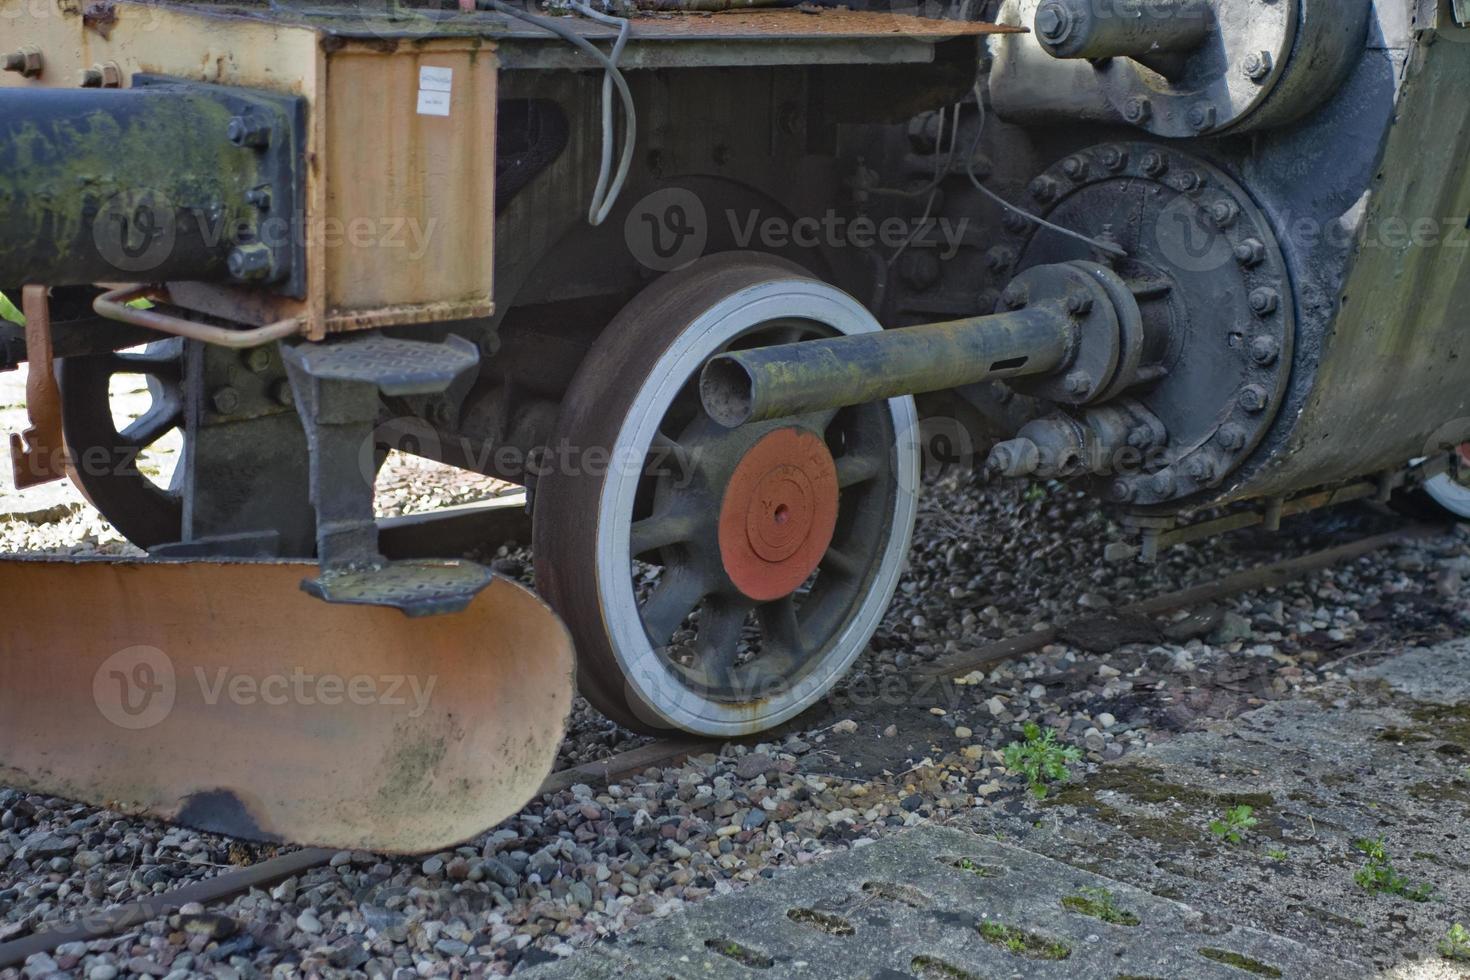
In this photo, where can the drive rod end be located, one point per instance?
(728, 391)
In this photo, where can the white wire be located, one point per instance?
(603, 199)
(596, 214)
(1108, 247)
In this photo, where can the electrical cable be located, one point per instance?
(599, 210)
(1108, 247)
(603, 199)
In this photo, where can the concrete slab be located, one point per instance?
(918, 904)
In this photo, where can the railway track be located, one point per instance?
(672, 751)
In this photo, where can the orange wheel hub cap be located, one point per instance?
(778, 514)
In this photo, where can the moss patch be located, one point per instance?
(1019, 942)
(931, 968)
(1240, 961)
(1099, 903)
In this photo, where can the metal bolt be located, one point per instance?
(1202, 117)
(252, 262)
(226, 400)
(247, 131)
(1044, 189)
(1254, 398)
(26, 62)
(1251, 252)
(1265, 350)
(283, 394)
(1075, 167)
(1014, 296)
(1224, 213)
(1121, 491)
(1154, 164)
(257, 359)
(1079, 383)
(1013, 222)
(1140, 438)
(1138, 110)
(1190, 181)
(1164, 483)
(987, 301)
(1113, 158)
(1257, 67)
(1054, 22)
(1265, 301)
(1232, 437)
(260, 198)
(999, 258)
(90, 78)
(1079, 303)
(1201, 467)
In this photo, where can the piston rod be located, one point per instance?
(801, 378)
(1140, 29)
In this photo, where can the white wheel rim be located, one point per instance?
(1449, 493)
(651, 683)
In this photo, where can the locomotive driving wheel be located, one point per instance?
(716, 580)
(105, 453)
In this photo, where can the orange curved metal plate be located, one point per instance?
(222, 697)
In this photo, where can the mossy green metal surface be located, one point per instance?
(138, 184)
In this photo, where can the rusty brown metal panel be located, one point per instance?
(1396, 366)
(172, 689)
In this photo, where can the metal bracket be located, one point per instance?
(38, 455)
(337, 388)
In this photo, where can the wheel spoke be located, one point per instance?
(841, 563)
(859, 468)
(160, 419)
(661, 531)
(780, 630)
(164, 364)
(720, 623)
(673, 599)
(662, 453)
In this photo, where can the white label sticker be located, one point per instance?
(435, 85)
(433, 103)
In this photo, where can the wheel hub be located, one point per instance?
(778, 514)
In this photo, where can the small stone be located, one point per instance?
(433, 866)
(962, 732)
(1106, 720)
(912, 803)
(1108, 672)
(845, 727)
(891, 731)
(102, 971)
(973, 752)
(938, 712)
(996, 707)
(308, 923)
(341, 859)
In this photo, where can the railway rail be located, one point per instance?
(672, 751)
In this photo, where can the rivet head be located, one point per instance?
(1075, 167)
(1163, 483)
(1121, 491)
(1265, 301)
(1138, 110)
(1254, 398)
(1265, 350)
(1154, 164)
(1232, 437)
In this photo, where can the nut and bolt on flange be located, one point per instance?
(246, 131)
(1265, 301)
(1138, 110)
(1232, 437)
(1079, 383)
(226, 400)
(1257, 67)
(1154, 164)
(1251, 252)
(282, 393)
(26, 62)
(1254, 398)
(1265, 350)
(252, 262)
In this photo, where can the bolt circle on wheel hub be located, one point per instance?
(778, 514)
